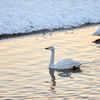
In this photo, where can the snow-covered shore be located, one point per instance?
(25, 16)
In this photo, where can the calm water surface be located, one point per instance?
(24, 72)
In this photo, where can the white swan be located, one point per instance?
(97, 32)
(62, 64)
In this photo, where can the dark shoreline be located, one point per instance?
(14, 35)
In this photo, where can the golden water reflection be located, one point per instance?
(24, 66)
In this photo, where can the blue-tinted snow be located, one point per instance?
(32, 15)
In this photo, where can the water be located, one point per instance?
(24, 67)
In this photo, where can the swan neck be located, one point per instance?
(52, 58)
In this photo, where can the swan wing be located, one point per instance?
(66, 64)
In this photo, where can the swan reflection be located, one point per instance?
(62, 73)
(51, 72)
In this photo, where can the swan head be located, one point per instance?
(50, 48)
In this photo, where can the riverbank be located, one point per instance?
(44, 31)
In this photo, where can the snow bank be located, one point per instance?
(97, 32)
(33, 15)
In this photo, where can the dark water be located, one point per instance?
(24, 72)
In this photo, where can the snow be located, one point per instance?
(33, 15)
(97, 32)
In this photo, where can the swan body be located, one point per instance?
(97, 32)
(66, 64)
(62, 64)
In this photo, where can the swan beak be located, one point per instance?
(47, 48)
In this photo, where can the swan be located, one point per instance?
(97, 32)
(62, 64)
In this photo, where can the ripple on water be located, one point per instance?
(24, 67)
